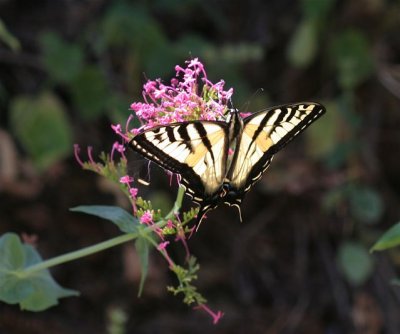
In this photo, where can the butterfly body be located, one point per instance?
(219, 161)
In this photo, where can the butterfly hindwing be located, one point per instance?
(264, 134)
(195, 150)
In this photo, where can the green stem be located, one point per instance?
(177, 204)
(106, 244)
(80, 253)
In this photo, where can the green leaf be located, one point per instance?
(316, 9)
(353, 59)
(33, 291)
(355, 262)
(124, 220)
(131, 26)
(366, 204)
(62, 60)
(7, 38)
(142, 248)
(90, 92)
(303, 45)
(391, 238)
(41, 125)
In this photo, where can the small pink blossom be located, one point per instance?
(170, 224)
(133, 192)
(163, 245)
(126, 179)
(119, 148)
(77, 150)
(147, 217)
(216, 316)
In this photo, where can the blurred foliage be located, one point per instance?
(355, 262)
(352, 58)
(337, 49)
(7, 38)
(35, 291)
(42, 126)
(63, 61)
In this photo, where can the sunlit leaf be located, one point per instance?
(391, 238)
(41, 126)
(124, 220)
(33, 291)
(63, 60)
(355, 262)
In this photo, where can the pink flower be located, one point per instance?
(146, 218)
(216, 316)
(163, 245)
(170, 224)
(133, 192)
(189, 96)
(126, 179)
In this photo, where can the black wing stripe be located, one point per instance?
(203, 135)
(171, 135)
(182, 130)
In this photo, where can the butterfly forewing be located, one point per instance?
(265, 133)
(195, 150)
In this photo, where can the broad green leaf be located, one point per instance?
(142, 248)
(33, 291)
(353, 58)
(124, 220)
(90, 92)
(303, 45)
(41, 126)
(9, 39)
(62, 60)
(366, 204)
(355, 262)
(391, 238)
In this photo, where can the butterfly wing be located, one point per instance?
(264, 134)
(195, 150)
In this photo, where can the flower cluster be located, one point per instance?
(189, 96)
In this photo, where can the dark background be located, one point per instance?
(299, 263)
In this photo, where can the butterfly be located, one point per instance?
(219, 161)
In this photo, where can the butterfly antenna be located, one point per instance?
(247, 103)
